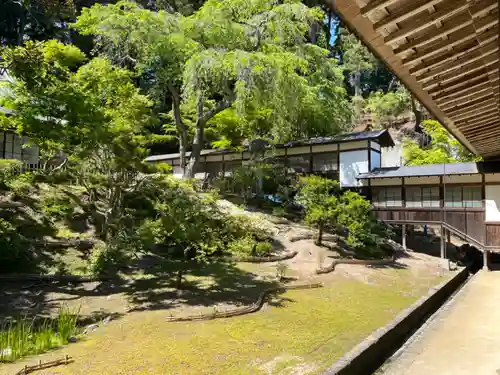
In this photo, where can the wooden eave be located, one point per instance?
(446, 52)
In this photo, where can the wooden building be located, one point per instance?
(342, 157)
(463, 199)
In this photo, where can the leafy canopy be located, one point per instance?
(443, 149)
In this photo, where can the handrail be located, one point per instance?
(466, 236)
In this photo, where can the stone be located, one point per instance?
(90, 328)
(72, 339)
(107, 319)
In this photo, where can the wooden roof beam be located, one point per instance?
(471, 88)
(476, 55)
(477, 122)
(478, 128)
(465, 80)
(479, 89)
(460, 72)
(436, 61)
(491, 108)
(376, 5)
(452, 7)
(487, 143)
(454, 39)
(403, 13)
(480, 103)
(484, 133)
(463, 102)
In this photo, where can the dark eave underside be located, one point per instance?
(446, 52)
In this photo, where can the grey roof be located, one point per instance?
(433, 170)
(382, 136)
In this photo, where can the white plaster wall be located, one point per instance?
(375, 160)
(492, 203)
(386, 181)
(325, 148)
(462, 179)
(392, 156)
(232, 156)
(492, 177)
(375, 145)
(422, 180)
(298, 150)
(214, 157)
(352, 163)
(353, 145)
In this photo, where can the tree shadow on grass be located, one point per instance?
(204, 285)
(220, 283)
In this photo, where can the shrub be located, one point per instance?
(243, 246)
(8, 170)
(263, 249)
(14, 253)
(57, 205)
(106, 258)
(316, 194)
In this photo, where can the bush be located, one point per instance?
(263, 249)
(243, 246)
(57, 205)
(14, 249)
(106, 258)
(8, 170)
(21, 184)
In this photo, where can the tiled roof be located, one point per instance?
(433, 170)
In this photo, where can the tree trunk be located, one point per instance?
(196, 150)
(181, 127)
(357, 83)
(313, 32)
(319, 240)
(180, 274)
(418, 115)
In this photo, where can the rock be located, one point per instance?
(72, 339)
(7, 352)
(107, 319)
(90, 328)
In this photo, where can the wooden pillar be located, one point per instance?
(403, 236)
(485, 261)
(442, 241)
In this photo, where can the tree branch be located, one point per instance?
(219, 107)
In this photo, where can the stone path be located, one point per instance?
(462, 338)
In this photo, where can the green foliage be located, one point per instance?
(316, 194)
(243, 246)
(15, 252)
(56, 205)
(24, 336)
(263, 248)
(8, 170)
(443, 149)
(384, 108)
(248, 58)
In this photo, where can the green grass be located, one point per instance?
(26, 336)
(309, 329)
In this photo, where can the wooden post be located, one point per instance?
(485, 260)
(443, 250)
(448, 236)
(403, 236)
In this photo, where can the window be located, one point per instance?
(325, 162)
(299, 163)
(430, 196)
(463, 196)
(387, 197)
(422, 196)
(413, 197)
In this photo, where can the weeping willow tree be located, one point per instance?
(250, 58)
